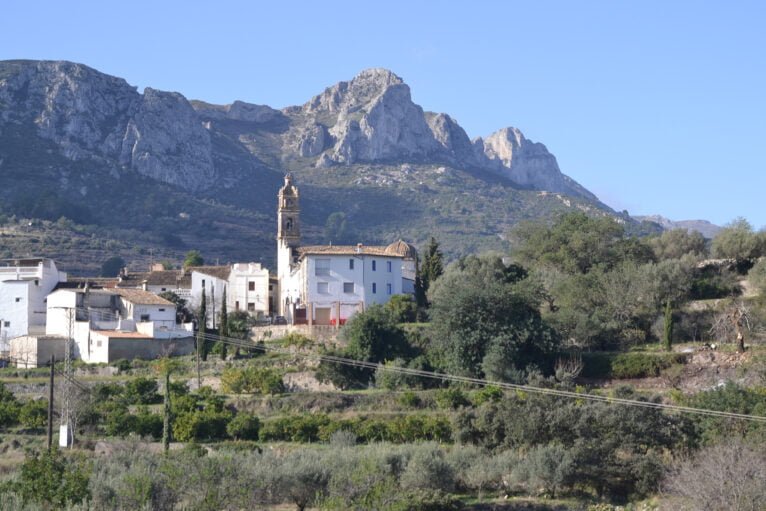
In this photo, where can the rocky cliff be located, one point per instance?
(157, 170)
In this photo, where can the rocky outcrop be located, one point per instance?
(165, 140)
(369, 119)
(237, 111)
(90, 115)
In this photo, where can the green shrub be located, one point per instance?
(252, 380)
(484, 394)
(33, 414)
(51, 478)
(201, 425)
(451, 398)
(628, 365)
(142, 391)
(9, 407)
(244, 426)
(409, 399)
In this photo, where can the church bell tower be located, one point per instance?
(288, 234)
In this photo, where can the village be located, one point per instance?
(130, 316)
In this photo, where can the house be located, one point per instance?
(109, 324)
(247, 288)
(326, 284)
(24, 286)
(174, 281)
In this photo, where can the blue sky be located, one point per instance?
(656, 106)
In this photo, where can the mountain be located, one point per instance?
(157, 174)
(707, 229)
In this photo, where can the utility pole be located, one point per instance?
(50, 404)
(66, 435)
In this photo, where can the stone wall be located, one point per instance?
(149, 349)
(319, 333)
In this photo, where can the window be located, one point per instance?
(251, 306)
(374, 288)
(388, 288)
(374, 266)
(350, 264)
(7, 324)
(271, 287)
(162, 310)
(323, 288)
(18, 299)
(98, 344)
(164, 289)
(388, 266)
(144, 317)
(251, 286)
(348, 287)
(236, 305)
(322, 267)
(203, 283)
(37, 282)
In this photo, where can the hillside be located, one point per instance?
(159, 173)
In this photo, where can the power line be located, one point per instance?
(483, 382)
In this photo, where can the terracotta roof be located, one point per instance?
(219, 272)
(139, 296)
(177, 278)
(403, 249)
(346, 250)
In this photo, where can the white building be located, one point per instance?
(246, 284)
(24, 286)
(108, 324)
(326, 285)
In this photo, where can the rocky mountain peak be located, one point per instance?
(361, 90)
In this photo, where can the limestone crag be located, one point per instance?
(95, 116)
(370, 119)
(165, 140)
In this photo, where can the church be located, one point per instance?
(327, 284)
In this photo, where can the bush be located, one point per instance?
(451, 398)
(244, 426)
(51, 478)
(252, 380)
(409, 399)
(628, 365)
(428, 470)
(9, 407)
(33, 414)
(201, 425)
(142, 391)
(298, 428)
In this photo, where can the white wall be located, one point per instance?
(213, 294)
(14, 315)
(362, 276)
(238, 290)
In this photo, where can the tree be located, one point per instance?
(721, 477)
(575, 243)
(427, 272)
(112, 266)
(193, 258)
(734, 320)
(737, 241)
(223, 325)
(486, 320)
(374, 336)
(201, 333)
(676, 243)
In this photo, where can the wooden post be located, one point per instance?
(337, 315)
(310, 316)
(50, 404)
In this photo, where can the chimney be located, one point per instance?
(358, 248)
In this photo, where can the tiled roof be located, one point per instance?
(346, 250)
(141, 297)
(219, 272)
(177, 278)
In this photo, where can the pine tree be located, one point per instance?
(223, 327)
(668, 326)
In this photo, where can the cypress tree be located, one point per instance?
(433, 267)
(166, 432)
(223, 327)
(202, 329)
